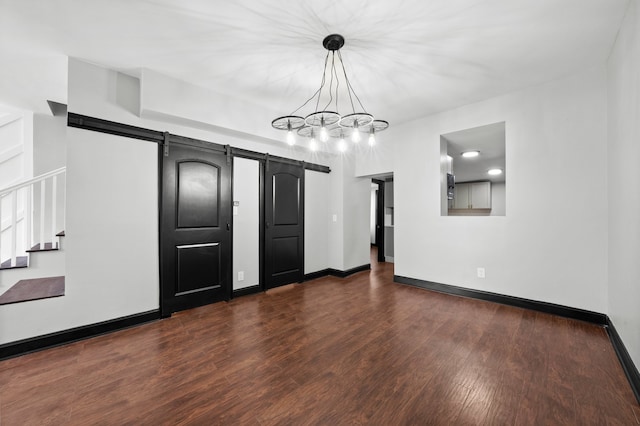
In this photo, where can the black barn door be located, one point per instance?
(284, 223)
(195, 241)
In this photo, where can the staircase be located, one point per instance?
(32, 216)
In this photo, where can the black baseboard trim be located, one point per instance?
(246, 291)
(317, 274)
(336, 273)
(549, 308)
(630, 370)
(345, 274)
(22, 347)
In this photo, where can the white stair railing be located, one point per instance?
(18, 206)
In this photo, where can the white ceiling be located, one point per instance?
(405, 58)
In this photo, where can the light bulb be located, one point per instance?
(313, 145)
(291, 139)
(342, 145)
(324, 135)
(355, 136)
(372, 138)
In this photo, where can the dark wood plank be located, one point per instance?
(44, 247)
(21, 262)
(360, 350)
(33, 289)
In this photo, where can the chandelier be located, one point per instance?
(326, 122)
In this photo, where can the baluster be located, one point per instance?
(54, 208)
(28, 217)
(42, 210)
(64, 203)
(14, 225)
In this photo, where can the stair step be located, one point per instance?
(21, 262)
(33, 289)
(47, 247)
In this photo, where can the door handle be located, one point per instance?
(228, 227)
(267, 224)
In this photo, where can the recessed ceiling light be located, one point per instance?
(494, 172)
(470, 154)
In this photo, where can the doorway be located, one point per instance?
(384, 216)
(377, 207)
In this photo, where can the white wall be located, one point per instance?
(316, 221)
(104, 93)
(111, 246)
(552, 245)
(246, 222)
(349, 203)
(336, 213)
(379, 160)
(222, 112)
(624, 181)
(49, 143)
(16, 133)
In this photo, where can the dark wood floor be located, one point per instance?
(361, 350)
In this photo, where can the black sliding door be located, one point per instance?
(284, 223)
(195, 241)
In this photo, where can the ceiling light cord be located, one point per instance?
(350, 88)
(317, 91)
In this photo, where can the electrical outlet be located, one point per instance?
(480, 272)
(241, 276)
(335, 217)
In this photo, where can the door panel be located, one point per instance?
(198, 264)
(198, 192)
(285, 254)
(286, 200)
(284, 222)
(195, 227)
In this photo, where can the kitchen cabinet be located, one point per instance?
(473, 195)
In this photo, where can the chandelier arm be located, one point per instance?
(317, 92)
(347, 81)
(335, 72)
(306, 102)
(330, 84)
(324, 75)
(356, 95)
(349, 87)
